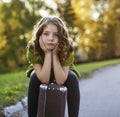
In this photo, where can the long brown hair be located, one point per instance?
(64, 47)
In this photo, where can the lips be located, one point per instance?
(50, 44)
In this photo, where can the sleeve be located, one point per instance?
(69, 60)
(32, 59)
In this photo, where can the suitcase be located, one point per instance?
(52, 100)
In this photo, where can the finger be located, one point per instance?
(40, 39)
(56, 46)
(41, 43)
(55, 49)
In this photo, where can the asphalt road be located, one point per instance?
(100, 94)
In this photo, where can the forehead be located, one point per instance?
(50, 27)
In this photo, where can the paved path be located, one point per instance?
(100, 94)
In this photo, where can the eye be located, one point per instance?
(45, 33)
(56, 35)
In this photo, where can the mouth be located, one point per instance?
(50, 44)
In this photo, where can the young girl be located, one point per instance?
(51, 56)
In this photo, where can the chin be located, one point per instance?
(50, 48)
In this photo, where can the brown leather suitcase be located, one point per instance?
(52, 100)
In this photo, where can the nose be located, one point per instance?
(51, 37)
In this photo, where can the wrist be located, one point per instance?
(48, 53)
(55, 56)
(54, 53)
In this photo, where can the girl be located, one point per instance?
(51, 55)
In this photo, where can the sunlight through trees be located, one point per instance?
(94, 26)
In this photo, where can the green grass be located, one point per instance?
(87, 68)
(13, 86)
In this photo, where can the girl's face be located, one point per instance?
(50, 36)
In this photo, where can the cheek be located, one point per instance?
(44, 38)
(56, 41)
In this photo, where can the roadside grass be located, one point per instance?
(86, 69)
(14, 86)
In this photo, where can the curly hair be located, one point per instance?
(64, 47)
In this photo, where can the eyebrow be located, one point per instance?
(49, 31)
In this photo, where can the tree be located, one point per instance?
(16, 21)
(67, 13)
(96, 22)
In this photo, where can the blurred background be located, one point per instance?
(94, 26)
